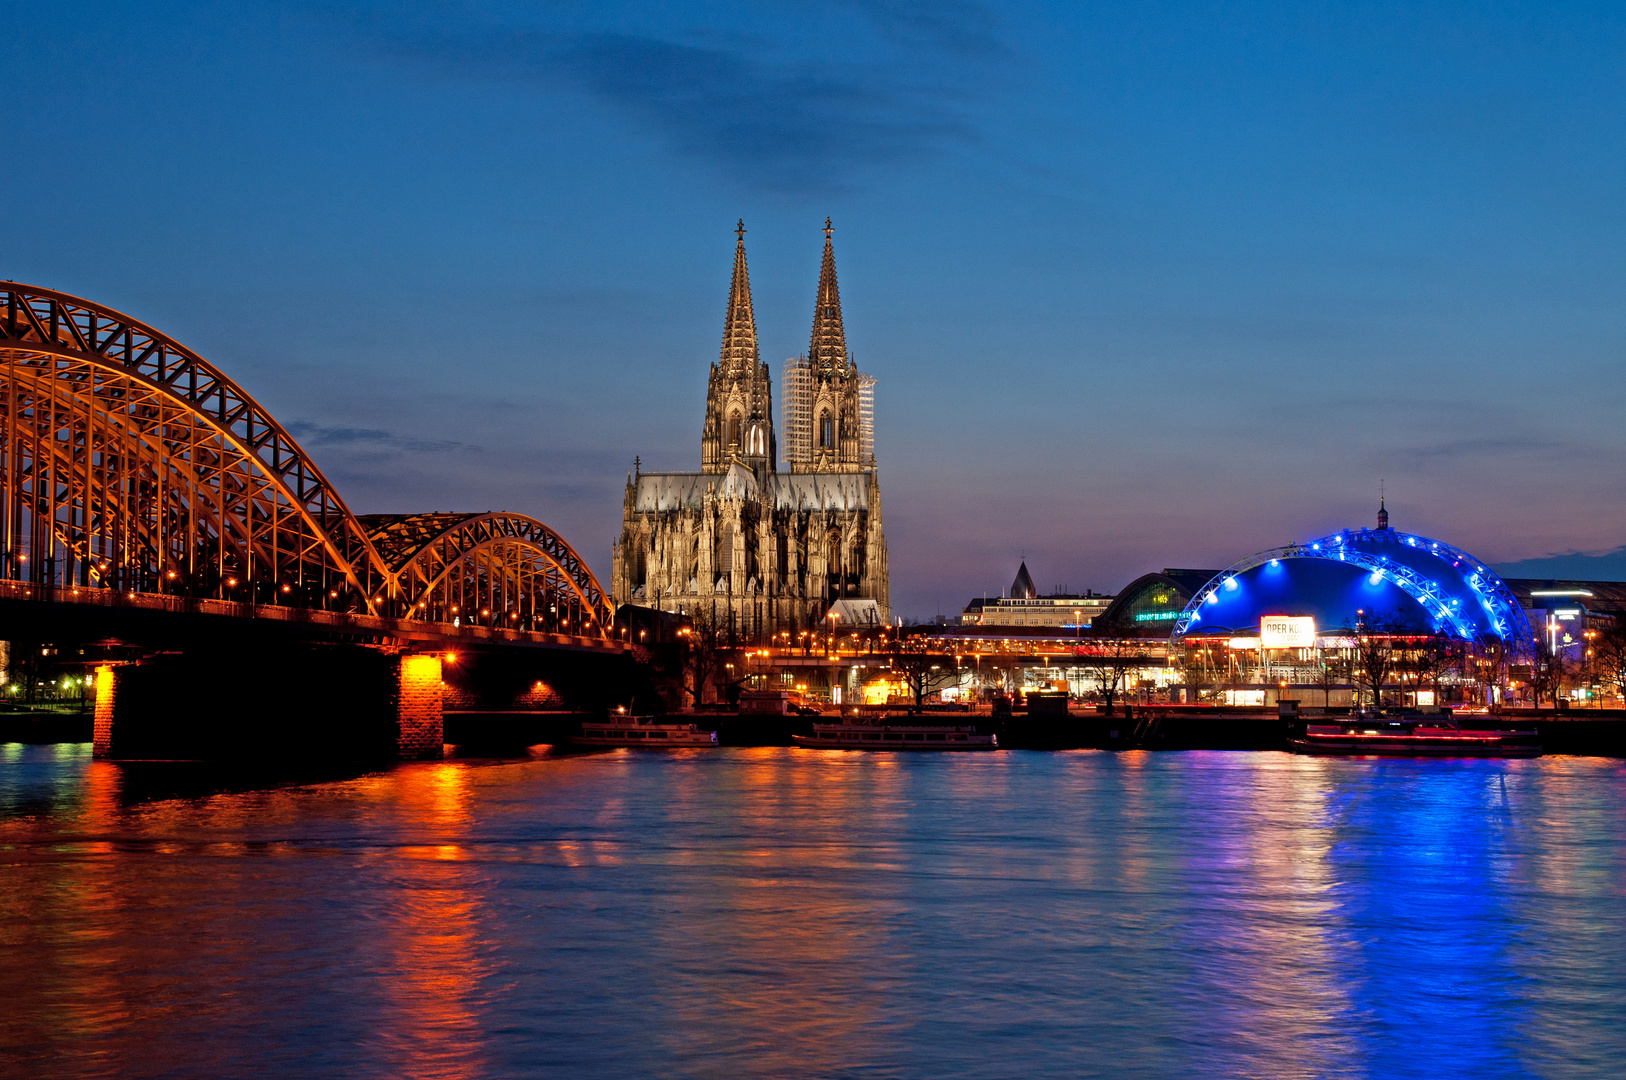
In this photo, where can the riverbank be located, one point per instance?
(1599, 733)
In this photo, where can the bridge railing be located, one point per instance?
(416, 630)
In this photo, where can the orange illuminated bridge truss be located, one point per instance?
(132, 464)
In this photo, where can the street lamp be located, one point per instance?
(1591, 680)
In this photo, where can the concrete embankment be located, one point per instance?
(1600, 733)
(45, 726)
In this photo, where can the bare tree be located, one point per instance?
(1609, 656)
(1490, 666)
(1432, 657)
(704, 643)
(1332, 667)
(1548, 666)
(1105, 662)
(922, 670)
(1375, 651)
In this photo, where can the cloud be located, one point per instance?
(955, 26)
(374, 442)
(1487, 445)
(1570, 566)
(903, 89)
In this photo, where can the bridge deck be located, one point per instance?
(404, 630)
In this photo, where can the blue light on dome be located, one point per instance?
(1430, 579)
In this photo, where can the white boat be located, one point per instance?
(644, 731)
(881, 735)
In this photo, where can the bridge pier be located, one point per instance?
(102, 731)
(336, 703)
(420, 715)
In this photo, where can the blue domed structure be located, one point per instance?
(1408, 580)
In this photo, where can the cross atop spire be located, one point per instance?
(1383, 513)
(740, 325)
(828, 351)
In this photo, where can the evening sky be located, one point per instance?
(1144, 285)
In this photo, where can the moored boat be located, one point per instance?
(881, 735)
(644, 731)
(1413, 738)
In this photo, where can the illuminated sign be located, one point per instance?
(1157, 616)
(1287, 632)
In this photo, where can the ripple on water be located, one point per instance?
(778, 912)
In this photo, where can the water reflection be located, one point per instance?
(779, 912)
(428, 1022)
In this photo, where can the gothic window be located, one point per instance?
(725, 560)
(755, 443)
(734, 429)
(826, 431)
(640, 566)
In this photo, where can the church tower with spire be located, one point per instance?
(755, 550)
(829, 408)
(739, 398)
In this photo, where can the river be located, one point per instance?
(786, 913)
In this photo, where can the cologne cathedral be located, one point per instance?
(759, 550)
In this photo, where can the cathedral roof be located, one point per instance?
(821, 491)
(740, 325)
(790, 491)
(828, 351)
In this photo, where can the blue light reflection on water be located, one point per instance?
(780, 912)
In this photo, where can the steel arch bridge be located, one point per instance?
(492, 569)
(1503, 615)
(133, 465)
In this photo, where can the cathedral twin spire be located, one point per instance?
(827, 352)
(828, 404)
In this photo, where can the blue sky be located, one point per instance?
(1144, 285)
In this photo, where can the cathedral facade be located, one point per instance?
(758, 550)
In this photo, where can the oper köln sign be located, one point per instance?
(1287, 632)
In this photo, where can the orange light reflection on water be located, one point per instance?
(432, 962)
